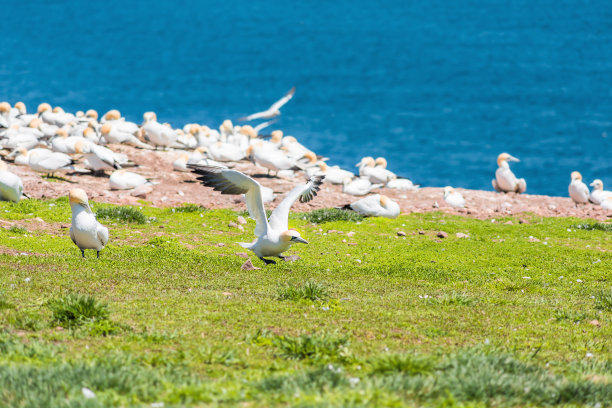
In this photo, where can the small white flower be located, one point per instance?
(569, 230)
(87, 393)
(353, 381)
(326, 308)
(358, 260)
(526, 277)
(579, 280)
(27, 280)
(157, 405)
(561, 277)
(589, 355)
(487, 341)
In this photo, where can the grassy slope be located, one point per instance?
(489, 319)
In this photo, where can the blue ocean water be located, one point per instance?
(440, 88)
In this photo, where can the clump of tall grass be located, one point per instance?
(122, 214)
(323, 215)
(73, 310)
(309, 291)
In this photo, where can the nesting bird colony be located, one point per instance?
(58, 145)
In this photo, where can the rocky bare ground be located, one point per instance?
(174, 188)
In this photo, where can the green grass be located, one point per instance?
(330, 215)
(121, 214)
(363, 318)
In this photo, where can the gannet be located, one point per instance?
(401, 184)
(453, 198)
(47, 161)
(334, 174)
(86, 232)
(270, 157)
(63, 143)
(578, 191)
(505, 181)
(5, 110)
(376, 205)
(273, 236)
(375, 170)
(98, 158)
(225, 152)
(158, 134)
(11, 187)
(196, 157)
(598, 194)
(273, 110)
(607, 204)
(359, 186)
(113, 135)
(125, 180)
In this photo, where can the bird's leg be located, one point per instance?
(267, 261)
(98, 254)
(83, 253)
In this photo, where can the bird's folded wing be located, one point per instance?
(54, 161)
(305, 192)
(234, 182)
(278, 104)
(102, 234)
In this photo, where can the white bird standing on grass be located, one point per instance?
(273, 236)
(505, 181)
(86, 232)
(598, 195)
(273, 110)
(578, 191)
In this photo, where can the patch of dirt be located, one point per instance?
(175, 188)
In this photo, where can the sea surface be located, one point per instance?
(439, 88)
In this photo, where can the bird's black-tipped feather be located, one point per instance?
(212, 176)
(309, 194)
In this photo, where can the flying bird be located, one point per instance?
(273, 236)
(273, 111)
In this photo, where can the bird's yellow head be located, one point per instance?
(92, 114)
(61, 132)
(34, 123)
(88, 132)
(448, 190)
(201, 149)
(106, 128)
(194, 129)
(576, 175)
(248, 130)
(78, 196)
(381, 161)
(149, 116)
(292, 236)
(43, 107)
(322, 165)
(384, 200)
(20, 106)
(5, 107)
(112, 114)
(312, 158)
(227, 126)
(79, 147)
(58, 109)
(505, 157)
(277, 136)
(597, 184)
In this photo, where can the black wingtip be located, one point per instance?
(311, 193)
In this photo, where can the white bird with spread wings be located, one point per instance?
(273, 236)
(273, 111)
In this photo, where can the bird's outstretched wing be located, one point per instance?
(305, 192)
(270, 112)
(234, 182)
(278, 104)
(264, 125)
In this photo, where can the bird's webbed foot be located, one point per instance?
(83, 253)
(281, 257)
(268, 261)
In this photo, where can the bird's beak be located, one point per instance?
(513, 159)
(592, 184)
(299, 239)
(13, 153)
